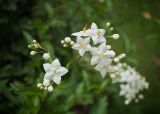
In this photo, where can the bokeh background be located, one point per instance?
(82, 91)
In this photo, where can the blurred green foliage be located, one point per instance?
(82, 90)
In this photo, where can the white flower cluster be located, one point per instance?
(54, 71)
(131, 82)
(102, 55)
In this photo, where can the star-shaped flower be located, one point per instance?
(104, 67)
(96, 34)
(82, 45)
(100, 53)
(54, 71)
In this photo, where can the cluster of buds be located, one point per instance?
(45, 85)
(38, 49)
(67, 42)
(119, 57)
(114, 36)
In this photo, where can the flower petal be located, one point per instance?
(94, 60)
(57, 79)
(47, 67)
(56, 63)
(48, 76)
(94, 26)
(102, 47)
(81, 52)
(62, 71)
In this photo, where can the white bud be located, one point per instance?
(46, 56)
(39, 85)
(122, 55)
(111, 28)
(108, 47)
(34, 41)
(29, 46)
(72, 42)
(126, 102)
(112, 53)
(140, 96)
(50, 88)
(62, 41)
(67, 39)
(36, 46)
(112, 75)
(116, 60)
(115, 36)
(45, 88)
(108, 24)
(33, 52)
(65, 45)
(42, 87)
(46, 82)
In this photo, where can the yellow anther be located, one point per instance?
(85, 28)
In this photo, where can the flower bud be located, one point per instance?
(112, 53)
(72, 42)
(33, 52)
(36, 46)
(112, 75)
(34, 41)
(67, 39)
(116, 60)
(140, 96)
(65, 45)
(29, 46)
(50, 88)
(111, 29)
(115, 36)
(62, 41)
(46, 56)
(39, 85)
(108, 24)
(46, 82)
(108, 47)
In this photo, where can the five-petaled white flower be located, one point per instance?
(100, 53)
(83, 33)
(96, 34)
(104, 67)
(54, 71)
(82, 45)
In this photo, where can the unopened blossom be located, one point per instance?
(96, 34)
(82, 45)
(100, 53)
(104, 67)
(83, 33)
(54, 71)
(46, 56)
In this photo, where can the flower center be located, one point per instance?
(82, 45)
(54, 70)
(85, 28)
(98, 32)
(101, 55)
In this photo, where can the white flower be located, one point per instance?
(46, 56)
(104, 67)
(100, 53)
(96, 34)
(54, 71)
(84, 33)
(82, 45)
